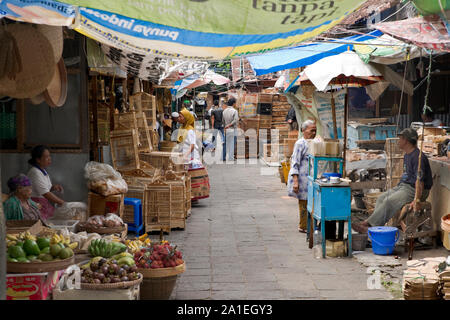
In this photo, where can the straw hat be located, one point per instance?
(53, 34)
(38, 63)
(56, 93)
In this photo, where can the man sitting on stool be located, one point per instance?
(392, 201)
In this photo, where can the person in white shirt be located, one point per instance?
(231, 119)
(188, 139)
(42, 187)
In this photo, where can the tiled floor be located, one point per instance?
(243, 243)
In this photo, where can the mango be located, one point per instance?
(55, 250)
(16, 252)
(65, 253)
(43, 243)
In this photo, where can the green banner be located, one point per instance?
(426, 7)
(228, 16)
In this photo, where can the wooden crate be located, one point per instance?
(103, 131)
(101, 205)
(164, 160)
(136, 191)
(272, 152)
(394, 162)
(265, 98)
(165, 207)
(124, 149)
(199, 183)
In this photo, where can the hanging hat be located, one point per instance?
(54, 35)
(38, 63)
(56, 93)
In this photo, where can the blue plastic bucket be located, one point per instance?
(383, 239)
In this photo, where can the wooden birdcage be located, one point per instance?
(124, 149)
(165, 206)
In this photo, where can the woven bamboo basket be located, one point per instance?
(158, 284)
(82, 226)
(109, 286)
(37, 267)
(164, 160)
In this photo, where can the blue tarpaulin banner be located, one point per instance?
(301, 56)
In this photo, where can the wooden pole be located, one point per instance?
(112, 102)
(345, 131)
(95, 118)
(333, 111)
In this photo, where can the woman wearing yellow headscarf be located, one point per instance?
(188, 139)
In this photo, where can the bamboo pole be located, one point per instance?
(333, 112)
(2, 254)
(345, 132)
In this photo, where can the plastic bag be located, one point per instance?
(96, 221)
(113, 220)
(103, 179)
(71, 211)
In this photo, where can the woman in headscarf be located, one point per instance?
(19, 206)
(188, 139)
(43, 189)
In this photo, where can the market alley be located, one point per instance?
(243, 243)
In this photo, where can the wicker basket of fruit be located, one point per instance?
(115, 273)
(108, 224)
(29, 254)
(160, 264)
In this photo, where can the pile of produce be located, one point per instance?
(26, 247)
(105, 249)
(111, 220)
(162, 255)
(138, 243)
(120, 268)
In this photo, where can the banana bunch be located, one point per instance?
(60, 239)
(22, 236)
(100, 247)
(138, 243)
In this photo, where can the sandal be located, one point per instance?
(301, 230)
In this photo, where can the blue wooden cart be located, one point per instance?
(328, 202)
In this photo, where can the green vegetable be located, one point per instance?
(31, 247)
(16, 252)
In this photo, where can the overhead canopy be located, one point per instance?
(301, 56)
(198, 81)
(425, 32)
(386, 50)
(346, 65)
(427, 7)
(189, 29)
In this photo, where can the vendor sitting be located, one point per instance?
(392, 201)
(19, 205)
(43, 190)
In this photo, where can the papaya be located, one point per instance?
(31, 247)
(32, 257)
(43, 243)
(46, 257)
(12, 259)
(16, 252)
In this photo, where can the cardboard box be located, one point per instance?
(31, 286)
(445, 237)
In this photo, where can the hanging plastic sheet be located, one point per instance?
(151, 68)
(40, 12)
(207, 30)
(386, 50)
(304, 55)
(426, 32)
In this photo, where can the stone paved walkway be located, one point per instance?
(243, 243)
